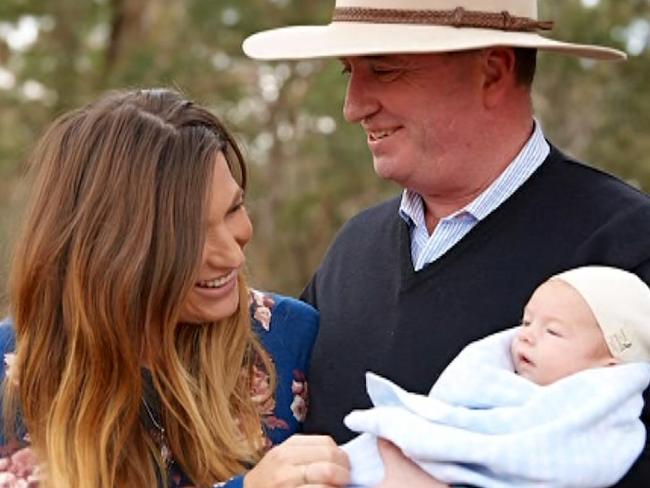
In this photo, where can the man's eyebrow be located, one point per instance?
(383, 57)
(371, 57)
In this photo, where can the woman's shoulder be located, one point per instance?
(18, 464)
(7, 345)
(275, 313)
(7, 334)
(287, 329)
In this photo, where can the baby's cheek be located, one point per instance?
(513, 347)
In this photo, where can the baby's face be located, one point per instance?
(559, 335)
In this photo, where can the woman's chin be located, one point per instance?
(203, 308)
(214, 316)
(211, 312)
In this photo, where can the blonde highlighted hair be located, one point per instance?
(111, 246)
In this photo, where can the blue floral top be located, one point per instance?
(287, 329)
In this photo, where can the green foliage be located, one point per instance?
(310, 169)
(599, 111)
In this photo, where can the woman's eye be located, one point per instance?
(237, 206)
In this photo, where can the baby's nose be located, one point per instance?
(526, 335)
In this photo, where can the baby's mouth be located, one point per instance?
(525, 360)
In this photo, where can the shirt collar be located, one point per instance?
(531, 156)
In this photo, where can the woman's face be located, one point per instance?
(215, 295)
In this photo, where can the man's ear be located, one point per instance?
(498, 74)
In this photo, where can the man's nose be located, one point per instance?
(359, 101)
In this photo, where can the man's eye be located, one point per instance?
(386, 73)
(378, 70)
(345, 70)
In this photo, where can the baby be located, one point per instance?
(536, 405)
(560, 333)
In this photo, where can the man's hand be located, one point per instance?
(401, 471)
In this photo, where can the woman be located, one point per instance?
(135, 361)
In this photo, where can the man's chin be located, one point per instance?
(386, 169)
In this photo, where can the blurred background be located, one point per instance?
(310, 171)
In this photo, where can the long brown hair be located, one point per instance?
(111, 246)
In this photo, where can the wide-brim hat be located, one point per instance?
(620, 301)
(374, 27)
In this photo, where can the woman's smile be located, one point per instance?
(218, 287)
(219, 281)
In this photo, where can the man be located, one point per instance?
(490, 209)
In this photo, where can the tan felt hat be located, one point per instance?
(371, 27)
(620, 300)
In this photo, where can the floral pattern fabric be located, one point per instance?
(287, 329)
(18, 466)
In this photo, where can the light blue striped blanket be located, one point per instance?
(483, 425)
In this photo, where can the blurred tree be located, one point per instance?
(310, 171)
(599, 111)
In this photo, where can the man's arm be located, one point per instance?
(308, 295)
(401, 471)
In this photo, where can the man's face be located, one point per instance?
(420, 113)
(559, 336)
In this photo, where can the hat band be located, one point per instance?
(458, 17)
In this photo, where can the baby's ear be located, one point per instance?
(612, 361)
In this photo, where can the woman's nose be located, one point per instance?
(223, 254)
(242, 229)
(225, 249)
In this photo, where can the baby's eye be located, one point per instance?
(524, 323)
(553, 332)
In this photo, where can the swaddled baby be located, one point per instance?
(536, 405)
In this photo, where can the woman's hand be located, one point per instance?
(301, 461)
(401, 471)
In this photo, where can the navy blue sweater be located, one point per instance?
(378, 314)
